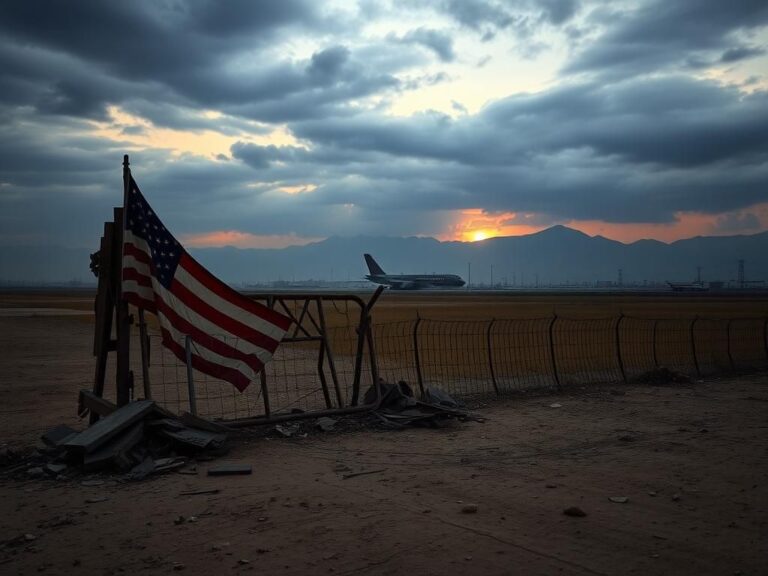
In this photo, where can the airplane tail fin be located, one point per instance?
(373, 267)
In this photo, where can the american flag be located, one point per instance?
(233, 336)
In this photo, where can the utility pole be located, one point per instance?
(742, 281)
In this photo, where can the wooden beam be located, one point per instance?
(110, 426)
(90, 402)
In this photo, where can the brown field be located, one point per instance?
(690, 459)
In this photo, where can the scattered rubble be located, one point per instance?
(135, 441)
(399, 407)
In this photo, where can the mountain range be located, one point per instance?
(555, 256)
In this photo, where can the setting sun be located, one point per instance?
(478, 235)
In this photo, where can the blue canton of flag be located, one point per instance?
(165, 251)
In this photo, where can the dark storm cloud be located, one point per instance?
(636, 151)
(76, 58)
(438, 42)
(740, 53)
(142, 39)
(621, 145)
(661, 34)
(521, 16)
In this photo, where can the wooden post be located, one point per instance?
(693, 345)
(618, 348)
(124, 378)
(416, 356)
(489, 343)
(144, 343)
(552, 350)
(190, 378)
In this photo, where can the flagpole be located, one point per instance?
(124, 376)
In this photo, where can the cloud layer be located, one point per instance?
(298, 120)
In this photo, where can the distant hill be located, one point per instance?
(557, 255)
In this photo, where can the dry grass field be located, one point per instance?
(689, 458)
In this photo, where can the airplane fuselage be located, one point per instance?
(416, 281)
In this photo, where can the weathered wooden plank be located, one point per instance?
(55, 437)
(97, 405)
(115, 451)
(110, 426)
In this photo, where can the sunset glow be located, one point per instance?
(240, 239)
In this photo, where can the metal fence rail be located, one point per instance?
(489, 357)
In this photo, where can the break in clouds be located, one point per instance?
(312, 119)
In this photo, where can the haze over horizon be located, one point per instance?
(271, 124)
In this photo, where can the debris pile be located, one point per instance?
(399, 406)
(136, 440)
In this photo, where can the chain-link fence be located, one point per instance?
(490, 357)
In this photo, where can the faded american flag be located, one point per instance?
(233, 336)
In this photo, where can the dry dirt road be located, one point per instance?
(691, 461)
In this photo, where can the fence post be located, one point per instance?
(190, 380)
(416, 353)
(490, 357)
(265, 391)
(618, 348)
(728, 343)
(655, 356)
(552, 350)
(693, 346)
(765, 337)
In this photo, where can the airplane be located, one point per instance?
(410, 281)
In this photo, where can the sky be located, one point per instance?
(276, 123)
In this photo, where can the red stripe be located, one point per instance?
(216, 345)
(228, 324)
(139, 302)
(234, 377)
(140, 255)
(136, 276)
(231, 295)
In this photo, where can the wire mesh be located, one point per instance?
(711, 338)
(585, 351)
(637, 343)
(521, 354)
(465, 357)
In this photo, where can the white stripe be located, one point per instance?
(133, 287)
(138, 265)
(206, 354)
(224, 306)
(207, 326)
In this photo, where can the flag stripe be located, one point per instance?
(167, 303)
(215, 350)
(138, 301)
(131, 245)
(233, 376)
(181, 328)
(141, 279)
(232, 297)
(202, 308)
(233, 336)
(139, 266)
(224, 353)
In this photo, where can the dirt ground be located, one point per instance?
(691, 460)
